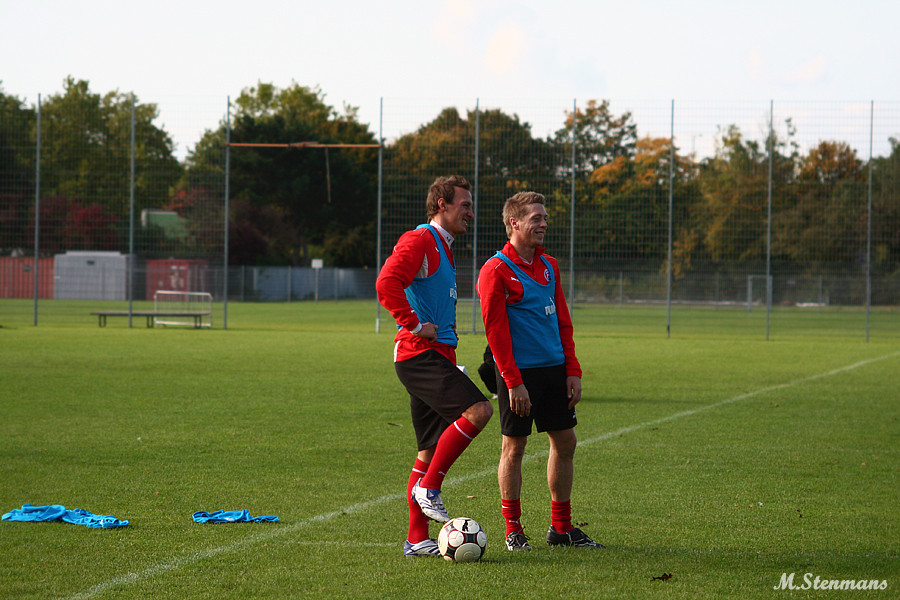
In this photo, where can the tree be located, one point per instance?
(70, 225)
(600, 137)
(202, 209)
(886, 212)
(17, 154)
(510, 159)
(308, 190)
(631, 195)
(86, 149)
(733, 184)
(444, 145)
(825, 220)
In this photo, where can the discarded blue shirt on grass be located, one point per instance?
(230, 516)
(58, 512)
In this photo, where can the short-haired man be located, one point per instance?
(529, 330)
(417, 284)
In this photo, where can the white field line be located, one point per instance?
(174, 563)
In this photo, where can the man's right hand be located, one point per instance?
(519, 400)
(428, 331)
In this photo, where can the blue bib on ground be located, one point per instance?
(533, 325)
(230, 516)
(433, 298)
(58, 512)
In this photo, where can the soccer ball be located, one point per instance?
(462, 540)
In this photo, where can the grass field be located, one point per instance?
(714, 455)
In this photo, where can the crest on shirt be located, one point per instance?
(546, 274)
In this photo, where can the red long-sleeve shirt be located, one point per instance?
(497, 287)
(415, 255)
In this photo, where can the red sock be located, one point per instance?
(418, 522)
(451, 444)
(512, 512)
(561, 516)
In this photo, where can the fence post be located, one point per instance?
(37, 212)
(131, 260)
(749, 293)
(769, 217)
(378, 210)
(869, 223)
(475, 210)
(572, 212)
(621, 288)
(717, 290)
(225, 225)
(671, 201)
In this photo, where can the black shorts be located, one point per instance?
(549, 403)
(439, 393)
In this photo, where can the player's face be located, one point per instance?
(530, 229)
(455, 217)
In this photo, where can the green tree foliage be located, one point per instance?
(734, 184)
(605, 149)
(287, 200)
(600, 137)
(631, 195)
(85, 168)
(824, 221)
(509, 159)
(886, 208)
(287, 203)
(86, 149)
(723, 218)
(16, 146)
(445, 145)
(17, 172)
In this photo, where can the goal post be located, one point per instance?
(767, 290)
(193, 309)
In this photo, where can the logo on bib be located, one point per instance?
(550, 309)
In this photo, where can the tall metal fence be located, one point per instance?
(752, 205)
(767, 204)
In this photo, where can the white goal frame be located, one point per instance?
(193, 309)
(768, 290)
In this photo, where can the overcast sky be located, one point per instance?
(188, 56)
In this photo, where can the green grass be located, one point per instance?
(714, 455)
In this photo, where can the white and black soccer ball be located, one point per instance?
(462, 540)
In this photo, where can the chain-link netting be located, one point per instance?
(743, 205)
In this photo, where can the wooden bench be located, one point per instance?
(151, 315)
